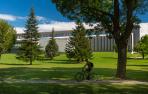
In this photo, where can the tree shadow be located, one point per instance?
(72, 89)
(139, 65)
(62, 73)
(61, 61)
(134, 58)
(129, 58)
(109, 57)
(21, 64)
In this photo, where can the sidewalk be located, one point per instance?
(75, 82)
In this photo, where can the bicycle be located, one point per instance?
(80, 76)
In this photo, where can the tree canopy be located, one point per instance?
(142, 46)
(115, 16)
(7, 36)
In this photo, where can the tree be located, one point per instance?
(51, 49)
(78, 46)
(7, 36)
(142, 46)
(69, 50)
(116, 17)
(30, 48)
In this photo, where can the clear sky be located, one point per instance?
(15, 11)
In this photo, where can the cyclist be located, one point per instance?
(88, 68)
(86, 73)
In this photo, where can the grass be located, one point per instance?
(72, 89)
(62, 69)
(104, 63)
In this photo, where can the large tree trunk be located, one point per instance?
(122, 37)
(122, 58)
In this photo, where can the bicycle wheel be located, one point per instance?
(93, 76)
(79, 76)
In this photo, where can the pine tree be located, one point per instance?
(51, 49)
(78, 46)
(30, 48)
(69, 49)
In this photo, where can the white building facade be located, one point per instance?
(99, 43)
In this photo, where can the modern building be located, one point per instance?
(99, 43)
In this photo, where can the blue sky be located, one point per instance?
(21, 8)
(15, 11)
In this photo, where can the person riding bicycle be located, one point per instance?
(86, 73)
(88, 68)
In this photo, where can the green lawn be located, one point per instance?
(62, 69)
(72, 89)
(104, 63)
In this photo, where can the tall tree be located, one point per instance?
(116, 17)
(51, 49)
(69, 50)
(78, 46)
(30, 48)
(7, 36)
(142, 46)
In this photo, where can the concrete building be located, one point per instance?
(99, 43)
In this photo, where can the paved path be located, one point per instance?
(132, 82)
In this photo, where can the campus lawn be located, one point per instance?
(104, 64)
(72, 89)
(62, 69)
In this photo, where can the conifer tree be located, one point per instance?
(69, 49)
(78, 46)
(51, 49)
(30, 48)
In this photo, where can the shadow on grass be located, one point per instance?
(109, 57)
(72, 89)
(134, 58)
(139, 65)
(62, 73)
(129, 58)
(19, 64)
(61, 61)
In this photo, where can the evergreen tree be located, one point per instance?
(78, 46)
(51, 49)
(69, 49)
(30, 48)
